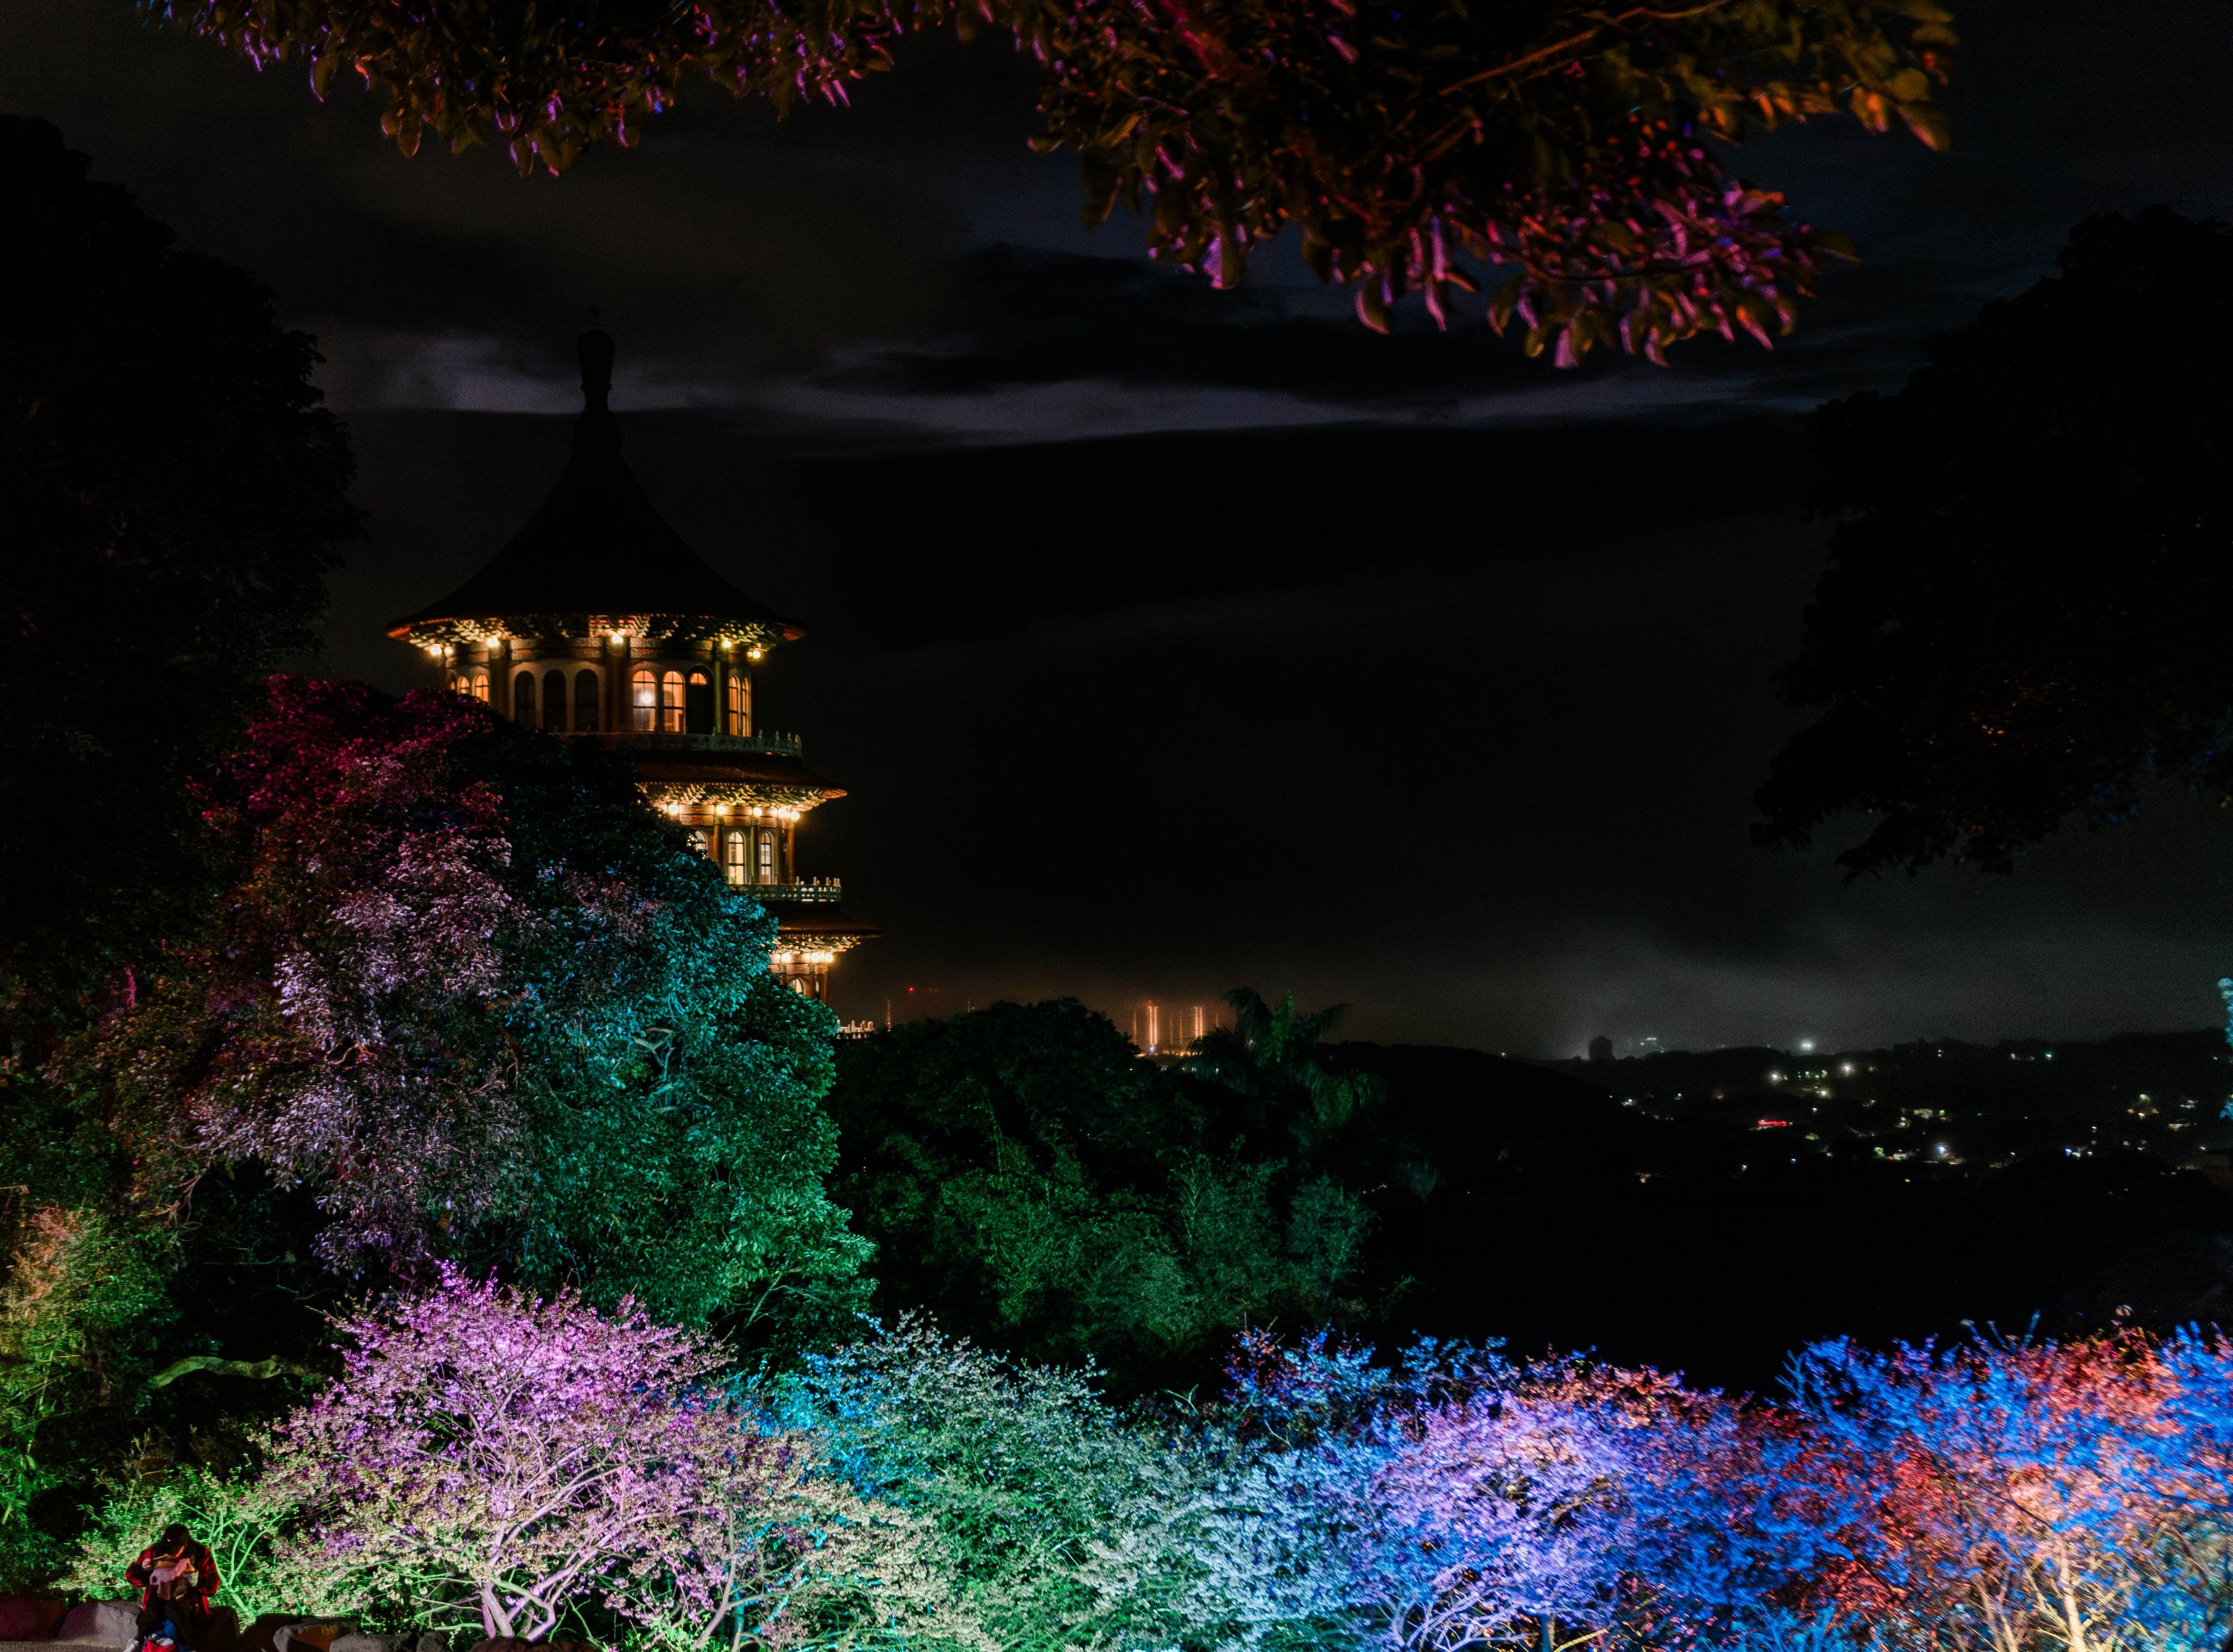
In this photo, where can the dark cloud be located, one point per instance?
(1030, 316)
(1392, 670)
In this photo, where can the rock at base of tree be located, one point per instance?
(431, 1642)
(502, 1643)
(223, 1633)
(357, 1640)
(101, 1622)
(310, 1634)
(258, 1636)
(31, 1617)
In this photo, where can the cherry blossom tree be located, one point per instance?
(497, 1456)
(498, 1459)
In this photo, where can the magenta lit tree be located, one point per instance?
(495, 1457)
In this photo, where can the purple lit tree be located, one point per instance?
(1456, 1500)
(494, 1458)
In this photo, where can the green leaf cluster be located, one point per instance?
(1038, 1495)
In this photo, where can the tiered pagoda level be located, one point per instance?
(598, 623)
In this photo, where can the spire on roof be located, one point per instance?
(596, 546)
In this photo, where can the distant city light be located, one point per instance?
(1846, 1067)
(1806, 1046)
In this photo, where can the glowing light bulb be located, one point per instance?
(721, 809)
(752, 654)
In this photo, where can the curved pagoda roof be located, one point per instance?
(597, 549)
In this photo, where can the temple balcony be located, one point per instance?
(747, 745)
(814, 888)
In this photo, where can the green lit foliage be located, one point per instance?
(242, 1519)
(1034, 1183)
(81, 1296)
(173, 497)
(2020, 620)
(132, 1337)
(1054, 1516)
(1565, 154)
(483, 1004)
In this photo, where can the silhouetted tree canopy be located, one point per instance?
(2024, 615)
(1037, 1184)
(1565, 150)
(174, 496)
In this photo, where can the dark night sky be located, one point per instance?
(1169, 639)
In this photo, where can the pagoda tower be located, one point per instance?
(597, 623)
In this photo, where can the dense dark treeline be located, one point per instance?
(1495, 1198)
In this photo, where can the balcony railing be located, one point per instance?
(758, 745)
(829, 889)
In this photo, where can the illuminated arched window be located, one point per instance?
(698, 704)
(800, 985)
(643, 699)
(586, 700)
(670, 704)
(523, 698)
(554, 701)
(765, 871)
(740, 703)
(480, 688)
(732, 855)
(461, 683)
(698, 840)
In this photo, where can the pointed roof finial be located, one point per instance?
(595, 348)
(596, 429)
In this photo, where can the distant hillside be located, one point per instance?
(1561, 1206)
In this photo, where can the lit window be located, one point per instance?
(698, 840)
(740, 703)
(697, 703)
(644, 700)
(734, 856)
(799, 983)
(554, 701)
(767, 857)
(480, 689)
(523, 698)
(461, 684)
(670, 704)
(586, 699)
